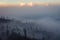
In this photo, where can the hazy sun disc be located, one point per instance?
(46, 4)
(22, 4)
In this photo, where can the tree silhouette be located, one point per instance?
(25, 34)
(14, 36)
(0, 38)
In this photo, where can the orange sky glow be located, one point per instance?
(21, 4)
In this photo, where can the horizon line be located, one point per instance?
(21, 4)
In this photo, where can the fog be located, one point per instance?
(46, 16)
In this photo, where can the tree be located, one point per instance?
(0, 38)
(25, 34)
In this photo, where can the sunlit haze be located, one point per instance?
(28, 2)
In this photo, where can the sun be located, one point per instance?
(46, 4)
(22, 4)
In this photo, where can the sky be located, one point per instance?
(17, 1)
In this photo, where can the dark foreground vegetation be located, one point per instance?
(17, 36)
(14, 35)
(4, 20)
